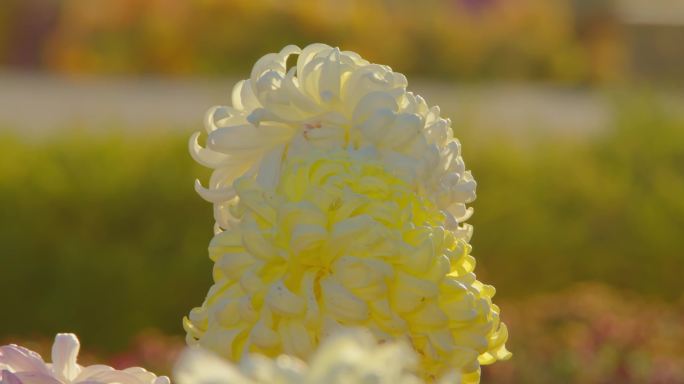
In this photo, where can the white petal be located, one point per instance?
(235, 139)
(145, 376)
(375, 127)
(215, 195)
(306, 237)
(225, 177)
(31, 378)
(460, 212)
(161, 380)
(283, 370)
(64, 353)
(368, 79)
(296, 339)
(283, 301)
(342, 304)
(272, 62)
(19, 359)
(198, 366)
(243, 97)
(288, 115)
(9, 378)
(331, 72)
(309, 82)
(307, 55)
(371, 103)
(326, 136)
(234, 263)
(105, 374)
(266, 87)
(205, 157)
(298, 99)
(406, 126)
(222, 116)
(269, 171)
(248, 140)
(438, 132)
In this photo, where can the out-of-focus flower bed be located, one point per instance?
(151, 349)
(591, 333)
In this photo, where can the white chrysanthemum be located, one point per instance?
(340, 242)
(19, 365)
(330, 98)
(346, 358)
(339, 199)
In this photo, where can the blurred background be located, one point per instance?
(571, 114)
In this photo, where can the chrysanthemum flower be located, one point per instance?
(19, 365)
(340, 199)
(343, 242)
(349, 357)
(329, 99)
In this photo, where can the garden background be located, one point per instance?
(571, 115)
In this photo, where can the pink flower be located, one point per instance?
(19, 365)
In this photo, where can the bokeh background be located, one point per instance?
(571, 114)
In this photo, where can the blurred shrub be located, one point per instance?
(101, 235)
(551, 212)
(458, 38)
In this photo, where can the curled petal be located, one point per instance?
(207, 158)
(222, 116)
(372, 102)
(307, 55)
(243, 96)
(215, 195)
(331, 73)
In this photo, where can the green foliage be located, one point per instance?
(103, 235)
(611, 209)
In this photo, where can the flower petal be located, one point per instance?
(198, 366)
(9, 378)
(32, 378)
(19, 359)
(207, 158)
(64, 353)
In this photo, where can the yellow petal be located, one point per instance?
(341, 303)
(283, 301)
